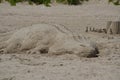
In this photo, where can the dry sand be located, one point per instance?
(23, 66)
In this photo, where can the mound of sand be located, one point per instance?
(44, 38)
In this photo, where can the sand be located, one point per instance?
(22, 66)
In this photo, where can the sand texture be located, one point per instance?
(51, 43)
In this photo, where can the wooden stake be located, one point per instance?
(113, 27)
(86, 29)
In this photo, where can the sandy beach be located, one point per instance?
(22, 66)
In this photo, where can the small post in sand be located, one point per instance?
(90, 28)
(86, 29)
(113, 27)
